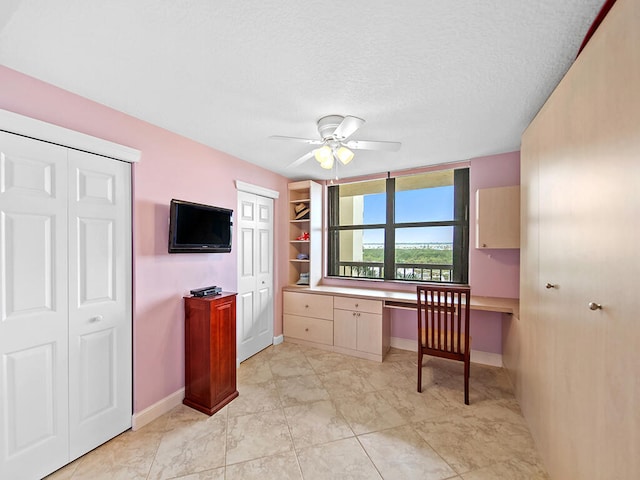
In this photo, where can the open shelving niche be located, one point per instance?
(309, 193)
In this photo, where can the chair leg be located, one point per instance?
(467, 365)
(419, 370)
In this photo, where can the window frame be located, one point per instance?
(460, 224)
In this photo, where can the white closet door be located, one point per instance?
(99, 300)
(33, 308)
(255, 274)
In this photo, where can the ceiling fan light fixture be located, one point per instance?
(323, 154)
(327, 164)
(344, 155)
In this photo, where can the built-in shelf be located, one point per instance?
(309, 194)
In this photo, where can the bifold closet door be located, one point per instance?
(34, 418)
(65, 304)
(100, 399)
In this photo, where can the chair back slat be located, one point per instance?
(443, 317)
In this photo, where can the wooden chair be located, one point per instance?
(443, 326)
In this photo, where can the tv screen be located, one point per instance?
(197, 228)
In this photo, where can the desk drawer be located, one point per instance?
(309, 329)
(308, 305)
(358, 304)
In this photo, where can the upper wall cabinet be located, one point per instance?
(498, 217)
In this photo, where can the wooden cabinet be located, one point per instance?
(305, 233)
(498, 217)
(308, 318)
(360, 328)
(210, 352)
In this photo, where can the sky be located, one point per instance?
(429, 204)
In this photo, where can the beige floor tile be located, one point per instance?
(255, 398)
(283, 466)
(300, 390)
(254, 370)
(316, 423)
(414, 406)
(194, 444)
(257, 435)
(342, 383)
(323, 362)
(291, 367)
(215, 474)
(342, 459)
(400, 453)
(465, 443)
(510, 470)
(369, 412)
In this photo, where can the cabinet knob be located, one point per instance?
(484, 245)
(356, 305)
(594, 306)
(354, 314)
(358, 314)
(306, 329)
(306, 306)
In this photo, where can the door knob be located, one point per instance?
(550, 285)
(594, 306)
(97, 318)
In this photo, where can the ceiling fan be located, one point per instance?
(334, 142)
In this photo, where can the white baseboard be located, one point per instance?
(404, 344)
(278, 340)
(477, 356)
(486, 358)
(156, 410)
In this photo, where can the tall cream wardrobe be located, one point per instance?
(575, 349)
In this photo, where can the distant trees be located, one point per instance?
(411, 255)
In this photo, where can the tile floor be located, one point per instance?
(308, 414)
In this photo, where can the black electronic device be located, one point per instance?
(203, 292)
(198, 228)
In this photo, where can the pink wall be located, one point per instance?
(171, 167)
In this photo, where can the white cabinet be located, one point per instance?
(360, 328)
(308, 318)
(498, 217)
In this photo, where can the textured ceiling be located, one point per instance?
(450, 80)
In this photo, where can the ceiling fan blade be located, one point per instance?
(308, 141)
(348, 127)
(302, 159)
(372, 145)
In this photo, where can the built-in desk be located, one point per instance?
(357, 321)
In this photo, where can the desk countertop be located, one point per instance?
(395, 298)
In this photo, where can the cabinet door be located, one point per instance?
(223, 345)
(498, 217)
(369, 337)
(345, 329)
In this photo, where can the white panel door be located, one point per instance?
(33, 308)
(255, 274)
(99, 300)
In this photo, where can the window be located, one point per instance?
(411, 228)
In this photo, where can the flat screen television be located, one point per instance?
(197, 228)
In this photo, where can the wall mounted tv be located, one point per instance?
(197, 228)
